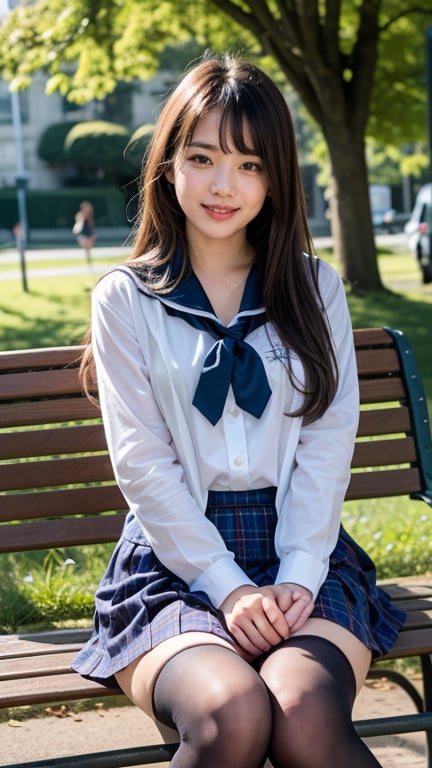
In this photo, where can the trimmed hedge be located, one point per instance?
(97, 144)
(51, 143)
(56, 208)
(137, 146)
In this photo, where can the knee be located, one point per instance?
(232, 721)
(238, 705)
(294, 705)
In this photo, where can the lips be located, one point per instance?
(220, 212)
(220, 208)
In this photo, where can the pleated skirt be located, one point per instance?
(139, 602)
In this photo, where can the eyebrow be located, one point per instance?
(203, 145)
(213, 148)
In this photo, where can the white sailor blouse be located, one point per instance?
(189, 406)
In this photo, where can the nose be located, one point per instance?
(222, 183)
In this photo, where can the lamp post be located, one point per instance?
(20, 230)
(21, 185)
(429, 93)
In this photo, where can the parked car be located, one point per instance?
(419, 231)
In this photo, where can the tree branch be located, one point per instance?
(363, 60)
(422, 9)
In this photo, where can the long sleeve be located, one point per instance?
(310, 513)
(144, 458)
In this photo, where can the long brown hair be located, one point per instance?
(280, 232)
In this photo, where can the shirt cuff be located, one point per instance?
(302, 568)
(220, 580)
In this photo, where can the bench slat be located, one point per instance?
(64, 381)
(61, 533)
(416, 642)
(48, 442)
(51, 688)
(43, 357)
(394, 482)
(24, 650)
(384, 421)
(381, 390)
(418, 619)
(55, 472)
(72, 501)
(372, 337)
(407, 587)
(47, 412)
(378, 453)
(36, 666)
(415, 604)
(375, 362)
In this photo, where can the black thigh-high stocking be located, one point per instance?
(218, 704)
(313, 689)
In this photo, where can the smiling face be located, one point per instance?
(220, 190)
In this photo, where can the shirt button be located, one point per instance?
(238, 461)
(234, 412)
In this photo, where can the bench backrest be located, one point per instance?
(56, 477)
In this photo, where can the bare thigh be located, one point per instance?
(356, 652)
(137, 680)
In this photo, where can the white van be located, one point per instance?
(419, 231)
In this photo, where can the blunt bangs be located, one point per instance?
(242, 114)
(238, 119)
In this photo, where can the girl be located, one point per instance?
(235, 609)
(84, 228)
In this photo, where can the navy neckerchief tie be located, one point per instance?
(231, 360)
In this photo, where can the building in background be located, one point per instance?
(130, 105)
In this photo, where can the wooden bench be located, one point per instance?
(56, 482)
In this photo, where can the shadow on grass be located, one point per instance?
(44, 319)
(47, 332)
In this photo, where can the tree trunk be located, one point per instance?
(335, 83)
(354, 240)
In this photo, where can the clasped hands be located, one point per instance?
(259, 618)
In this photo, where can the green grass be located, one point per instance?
(37, 589)
(55, 311)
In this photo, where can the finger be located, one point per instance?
(285, 600)
(277, 619)
(251, 641)
(266, 630)
(298, 613)
(263, 636)
(301, 621)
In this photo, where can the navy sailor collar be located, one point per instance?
(189, 295)
(231, 360)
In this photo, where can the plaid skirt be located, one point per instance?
(139, 603)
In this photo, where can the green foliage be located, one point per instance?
(414, 163)
(53, 208)
(137, 146)
(88, 46)
(387, 164)
(51, 147)
(398, 108)
(396, 533)
(50, 587)
(97, 144)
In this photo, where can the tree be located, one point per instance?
(356, 65)
(98, 147)
(137, 146)
(51, 147)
